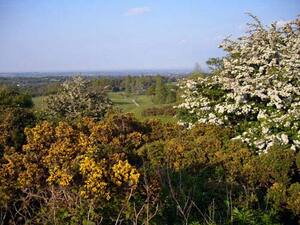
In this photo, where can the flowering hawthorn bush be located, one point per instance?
(258, 89)
(77, 100)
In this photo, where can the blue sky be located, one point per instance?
(70, 35)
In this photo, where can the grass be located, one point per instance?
(39, 103)
(135, 104)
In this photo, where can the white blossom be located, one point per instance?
(259, 85)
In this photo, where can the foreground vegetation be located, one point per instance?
(80, 160)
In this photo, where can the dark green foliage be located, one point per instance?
(160, 91)
(140, 84)
(36, 86)
(127, 84)
(15, 115)
(215, 64)
(151, 91)
(13, 122)
(298, 161)
(10, 97)
(171, 95)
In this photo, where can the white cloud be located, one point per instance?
(183, 41)
(137, 11)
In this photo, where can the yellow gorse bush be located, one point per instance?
(64, 155)
(97, 170)
(123, 172)
(94, 175)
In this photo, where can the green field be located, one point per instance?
(136, 104)
(133, 104)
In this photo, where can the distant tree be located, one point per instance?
(171, 95)
(197, 72)
(109, 83)
(160, 91)
(133, 84)
(115, 89)
(151, 90)
(128, 84)
(139, 86)
(197, 67)
(102, 83)
(75, 100)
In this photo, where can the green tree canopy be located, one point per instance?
(160, 91)
(11, 97)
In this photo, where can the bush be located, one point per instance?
(112, 169)
(75, 101)
(158, 111)
(257, 91)
(10, 97)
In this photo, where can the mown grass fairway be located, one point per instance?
(136, 104)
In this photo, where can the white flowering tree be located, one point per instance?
(75, 99)
(257, 91)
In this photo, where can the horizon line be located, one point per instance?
(99, 70)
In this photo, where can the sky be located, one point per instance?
(90, 35)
